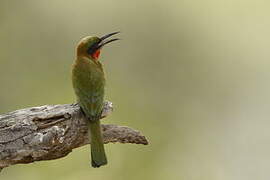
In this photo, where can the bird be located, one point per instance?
(88, 80)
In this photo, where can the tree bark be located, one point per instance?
(52, 131)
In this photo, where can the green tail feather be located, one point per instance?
(98, 155)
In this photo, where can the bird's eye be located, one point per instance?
(93, 48)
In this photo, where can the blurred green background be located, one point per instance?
(193, 76)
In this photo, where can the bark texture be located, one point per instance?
(52, 131)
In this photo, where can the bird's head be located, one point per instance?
(90, 46)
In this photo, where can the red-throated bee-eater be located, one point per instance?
(88, 82)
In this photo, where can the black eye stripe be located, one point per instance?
(93, 48)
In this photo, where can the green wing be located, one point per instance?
(88, 82)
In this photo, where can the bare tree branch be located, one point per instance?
(51, 132)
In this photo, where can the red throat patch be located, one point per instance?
(96, 54)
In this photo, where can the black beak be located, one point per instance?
(103, 42)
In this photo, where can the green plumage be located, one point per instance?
(88, 82)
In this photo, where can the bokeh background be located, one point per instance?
(193, 76)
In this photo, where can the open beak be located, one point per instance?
(103, 40)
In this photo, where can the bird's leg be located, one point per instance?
(106, 111)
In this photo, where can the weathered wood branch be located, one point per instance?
(51, 132)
